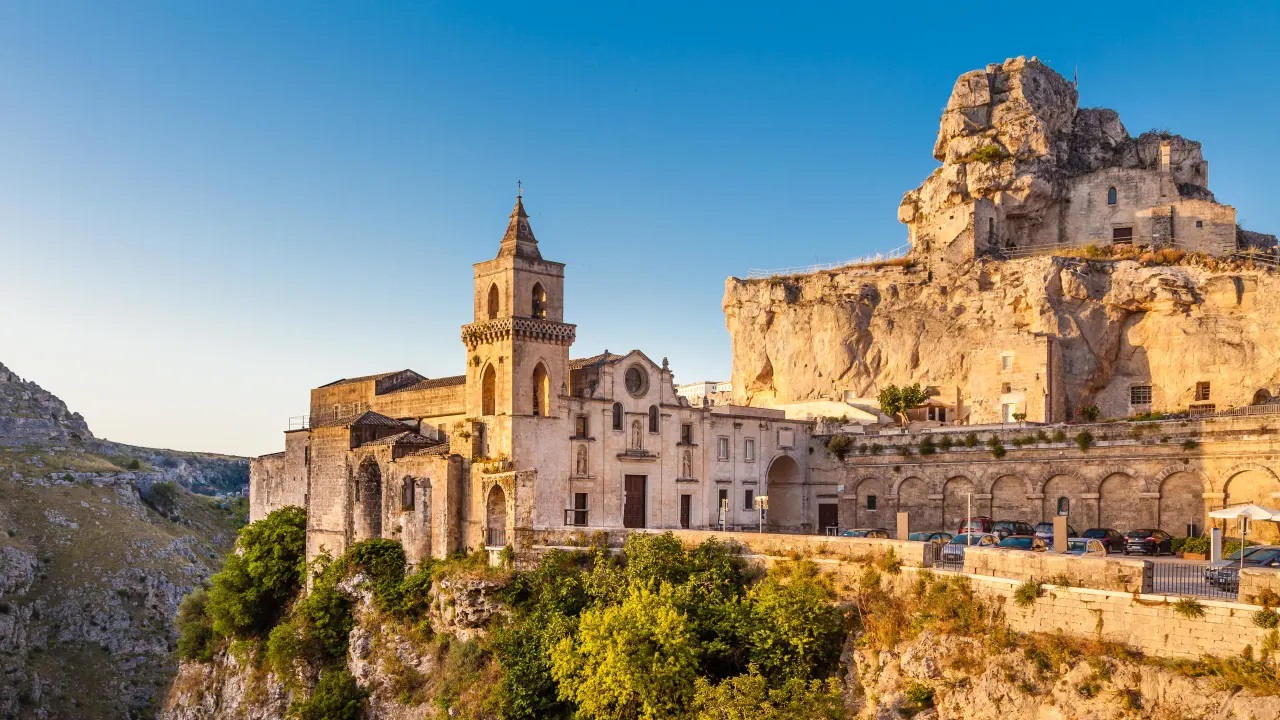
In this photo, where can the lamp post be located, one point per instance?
(762, 504)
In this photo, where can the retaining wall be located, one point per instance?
(1254, 581)
(1106, 573)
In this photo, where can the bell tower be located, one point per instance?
(517, 345)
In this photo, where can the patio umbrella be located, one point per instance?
(1250, 511)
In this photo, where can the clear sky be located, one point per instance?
(207, 208)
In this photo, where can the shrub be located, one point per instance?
(1083, 440)
(1089, 413)
(133, 464)
(1059, 436)
(162, 497)
(840, 445)
(1189, 607)
(970, 440)
(248, 596)
(919, 695)
(862, 449)
(990, 153)
(382, 562)
(1177, 544)
(876, 448)
(997, 448)
(325, 616)
(1198, 545)
(796, 631)
(945, 443)
(337, 697)
(1190, 444)
(752, 696)
(927, 446)
(195, 630)
(1027, 593)
(1266, 618)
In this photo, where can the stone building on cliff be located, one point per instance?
(529, 438)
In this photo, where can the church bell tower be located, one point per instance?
(517, 346)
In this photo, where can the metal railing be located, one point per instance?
(495, 537)
(1183, 578)
(894, 254)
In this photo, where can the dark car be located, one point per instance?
(866, 533)
(1005, 528)
(1045, 530)
(976, 525)
(1148, 541)
(1024, 542)
(1228, 577)
(940, 538)
(1112, 538)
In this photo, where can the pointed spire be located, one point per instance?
(519, 239)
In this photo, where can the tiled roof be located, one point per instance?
(437, 449)
(407, 437)
(428, 384)
(603, 358)
(363, 378)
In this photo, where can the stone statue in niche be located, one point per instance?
(686, 465)
(581, 467)
(637, 438)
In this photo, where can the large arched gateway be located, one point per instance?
(786, 494)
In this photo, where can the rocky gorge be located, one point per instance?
(99, 542)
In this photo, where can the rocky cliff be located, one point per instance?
(1116, 323)
(98, 544)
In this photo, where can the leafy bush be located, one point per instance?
(1059, 436)
(750, 696)
(195, 629)
(927, 446)
(1266, 618)
(840, 445)
(920, 696)
(248, 596)
(1089, 413)
(1083, 440)
(1189, 607)
(1190, 444)
(1198, 545)
(876, 448)
(970, 440)
(162, 496)
(946, 442)
(990, 153)
(1027, 593)
(797, 630)
(997, 448)
(337, 697)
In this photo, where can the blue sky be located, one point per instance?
(207, 208)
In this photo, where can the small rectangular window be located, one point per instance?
(722, 448)
(686, 433)
(722, 506)
(748, 499)
(1139, 394)
(1202, 391)
(1122, 234)
(580, 426)
(578, 515)
(1006, 361)
(749, 450)
(1006, 387)
(871, 502)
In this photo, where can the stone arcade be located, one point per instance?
(530, 439)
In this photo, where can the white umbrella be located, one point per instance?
(1250, 511)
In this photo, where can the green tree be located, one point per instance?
(337, 697)
(262, 575)
(195, 631)
(796, 628)
(637, 659)
(749, 697)
(896, 401)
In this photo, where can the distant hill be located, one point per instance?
(98, 543)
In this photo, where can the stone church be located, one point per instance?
(531, 439)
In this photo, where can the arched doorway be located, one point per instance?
(786, 495)
(493, 302)
(1262, 397)
(955, 503)
(1254, 485)
(541, 391)
(367, 510)
(488, 391)
(1181, 503)
(1119, 504)
(495, 518)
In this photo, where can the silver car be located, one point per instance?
(1212, 569)
(1087, 547)
(953, 551)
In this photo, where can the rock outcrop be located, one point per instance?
(30, 415)
(1115, 323)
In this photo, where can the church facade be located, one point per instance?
(529, 438)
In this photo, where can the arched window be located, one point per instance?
(493, 302)
(1111, 196)
(653, 418)
(1064, 506)
(406, 494)
(488, 391)
(539, 304)
(541, 391)
(617, 416)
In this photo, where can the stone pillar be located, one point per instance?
(1059, 534)
(904, 526)
(1215, 545)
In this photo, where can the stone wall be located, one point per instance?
(268, 489)
(1255, 582)
(1108, 573)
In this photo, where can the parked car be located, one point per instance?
(1148, 541)
(1005, 528)
(953, 551)
(940, 538)
(1024, 542)
(1112, 538)
(980, 524)
(866, 533)
(1212, 568)
(1087, 546)
(1045, 531)
(1228, 576)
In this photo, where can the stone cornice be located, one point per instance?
(521, 328)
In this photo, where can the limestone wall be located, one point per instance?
(1109, 573)
(1255, 582)
(266, 483)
